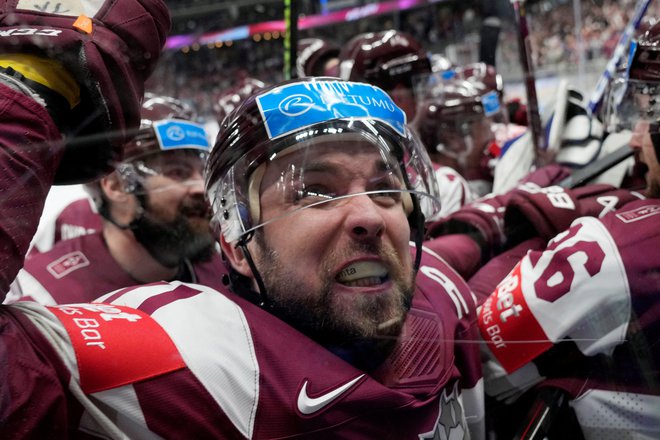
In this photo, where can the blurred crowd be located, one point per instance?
(200, 76)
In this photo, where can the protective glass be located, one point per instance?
(178, 167)
(324, 168)
(629, 101)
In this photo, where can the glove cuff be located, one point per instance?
(56, 105)
(46, 72)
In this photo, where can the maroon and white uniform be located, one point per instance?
(177, 360)
(76, 218)
(454, 190)
(584, 316)
(212, 365)
(81, 269)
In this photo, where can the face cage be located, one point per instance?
(233, 198)
(629, 101)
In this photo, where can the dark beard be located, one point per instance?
(364, 341)
(171, 243)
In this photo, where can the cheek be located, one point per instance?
(399, 231)
(300, 237)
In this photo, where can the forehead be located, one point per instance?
(338, 155)
(175, 156)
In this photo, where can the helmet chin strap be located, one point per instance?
(133, 224)
(261, 297)
(654, 130)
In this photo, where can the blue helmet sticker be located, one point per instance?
(491, 103)
(293, 106)
(173, 134)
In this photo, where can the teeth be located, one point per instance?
(363, 271)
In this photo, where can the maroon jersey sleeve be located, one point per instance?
(35, 401)
(585, 313)
(29, 156)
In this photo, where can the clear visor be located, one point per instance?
(629, 102)
(182, 167)
(323, 169)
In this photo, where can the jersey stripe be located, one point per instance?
(225, 363)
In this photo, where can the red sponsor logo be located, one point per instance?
(67, 264)
(514, 335)
(638, 213)
(116, 345)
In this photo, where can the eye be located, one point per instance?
(178, 172)
(390, 190)
(313, 194)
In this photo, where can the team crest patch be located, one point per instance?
(67, 263)
(638, 213)
(450, 424)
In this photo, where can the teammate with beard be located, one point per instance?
(334, 325)
(155, 219)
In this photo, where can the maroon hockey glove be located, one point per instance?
(481, 220)
(545, 212)
(460, 251)
(110, 48)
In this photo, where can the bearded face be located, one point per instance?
(174, 235)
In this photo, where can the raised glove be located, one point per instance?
(107, 49)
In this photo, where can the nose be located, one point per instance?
(364, 219)
(195, 183)
(640, 130)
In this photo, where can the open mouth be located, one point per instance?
(363, 274)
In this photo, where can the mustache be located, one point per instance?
(195, 207)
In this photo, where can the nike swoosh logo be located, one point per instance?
(309, 405)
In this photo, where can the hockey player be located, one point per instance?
(155, 218)
(463, 126)
(334, 327)
(230, 98)
(317, 57)
(580, 316)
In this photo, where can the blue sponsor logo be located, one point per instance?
(491, 103)
(293, 106)
(173, 134)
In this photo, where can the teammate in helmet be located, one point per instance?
(463, 125)
(601, 277)
(315, 207)
(638, 105)
(317, 57)
(230, 99)
(155, 218)
(391, 60)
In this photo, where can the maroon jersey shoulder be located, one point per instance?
(77, 270)
(76, 219)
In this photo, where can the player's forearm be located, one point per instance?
(30, 152)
